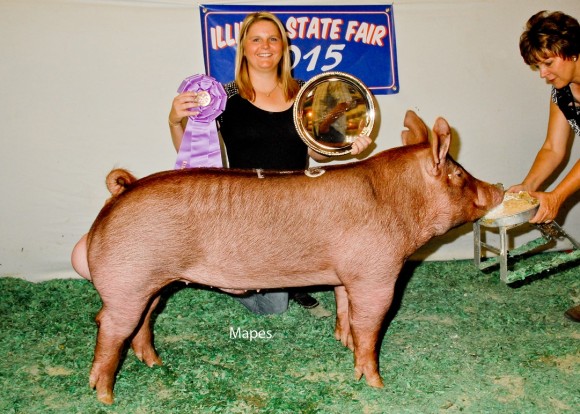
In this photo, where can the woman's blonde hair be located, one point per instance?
(289, 84)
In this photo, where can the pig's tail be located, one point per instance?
(118, 180)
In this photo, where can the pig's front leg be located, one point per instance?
(342, 327)
(368, 305)
(142, 342)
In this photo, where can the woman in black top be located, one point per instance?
(257, 125)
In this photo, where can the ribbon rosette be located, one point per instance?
(200, 145)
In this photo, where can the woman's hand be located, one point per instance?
(360, 144)
(549, 203)
(181, 107)
(517, 188)
(549, 206)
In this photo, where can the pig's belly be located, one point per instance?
(254, 280)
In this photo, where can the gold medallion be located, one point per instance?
(203, 98)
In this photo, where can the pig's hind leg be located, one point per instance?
(342, 327)
(117, 321)
(142, 342)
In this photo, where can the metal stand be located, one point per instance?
(550, 231)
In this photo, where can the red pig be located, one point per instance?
(239, 230)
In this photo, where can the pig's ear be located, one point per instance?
(417, 132)
(441, 141)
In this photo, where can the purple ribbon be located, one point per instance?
(200, 145)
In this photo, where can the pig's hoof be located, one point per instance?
(346, 340)
(339, 336)
(150, 359)
(104, 386)
(147, 355)
(376, 382)
(152, 362)
(373, 380)
(105, 396)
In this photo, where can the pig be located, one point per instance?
(242, 231)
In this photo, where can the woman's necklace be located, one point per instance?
(270, 93)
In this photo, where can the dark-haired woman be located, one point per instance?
(550, 44)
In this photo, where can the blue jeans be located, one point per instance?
(266, 303)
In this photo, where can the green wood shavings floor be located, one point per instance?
(460, 341)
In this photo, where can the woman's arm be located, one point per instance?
(359, 145)
(177, 130)
(549, 157)
(553, 150)
(180, 110)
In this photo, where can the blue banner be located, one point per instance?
(359, 40)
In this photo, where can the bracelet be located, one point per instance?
(174, 124)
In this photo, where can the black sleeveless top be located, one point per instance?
(258, 139)
(565, 100)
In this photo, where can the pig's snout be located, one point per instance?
(489, 196)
